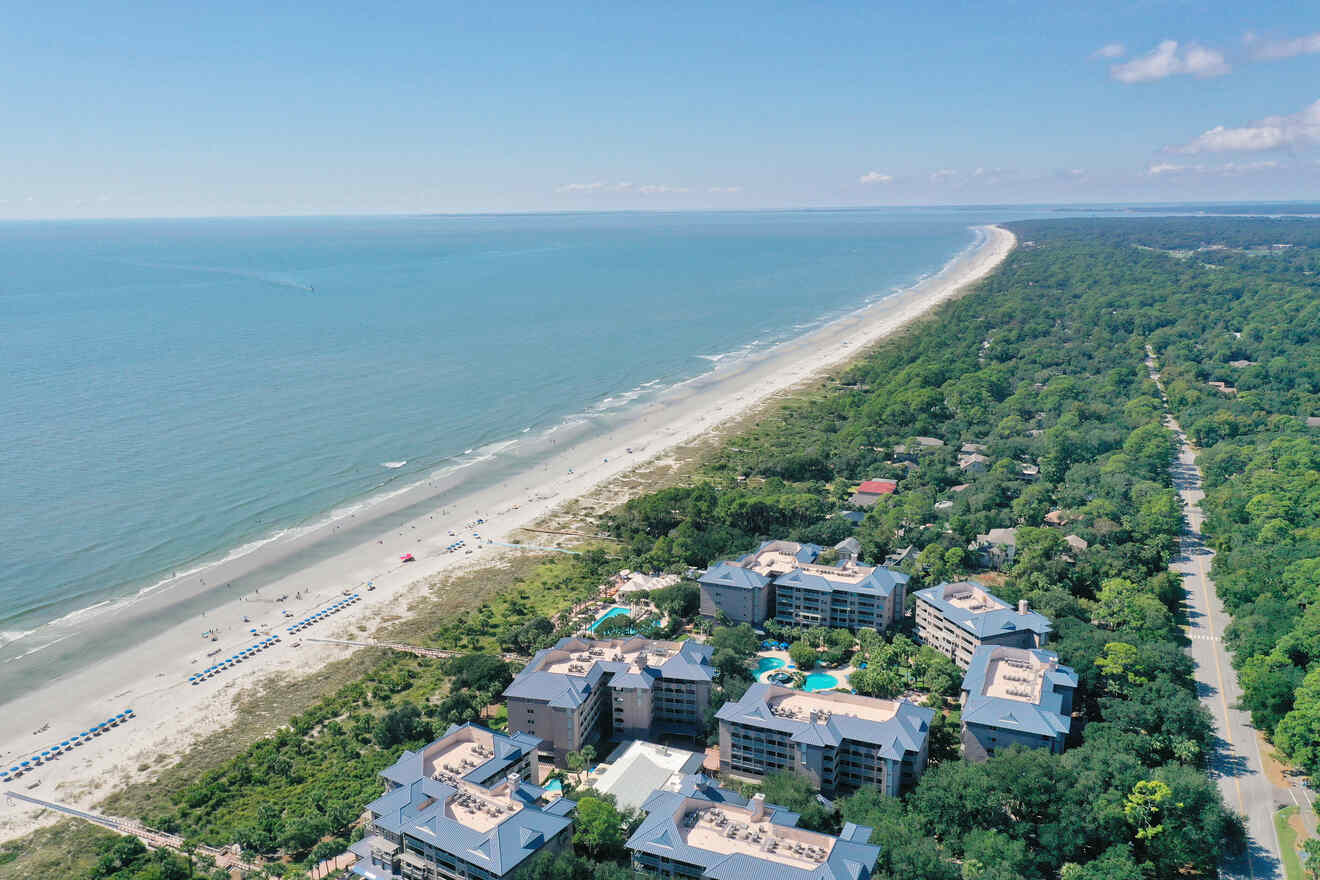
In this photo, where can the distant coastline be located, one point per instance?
(120, 663)
(79, 554)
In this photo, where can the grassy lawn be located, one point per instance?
(1292, 865)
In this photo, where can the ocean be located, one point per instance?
(180, 391)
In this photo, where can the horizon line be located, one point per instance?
(659, 211)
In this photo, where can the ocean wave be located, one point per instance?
(41, 647)
(393, 465)
(8, 637)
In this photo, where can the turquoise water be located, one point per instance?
(178, 389)
(765, 664)
(613, 612)
(554, 785)
(820, 681)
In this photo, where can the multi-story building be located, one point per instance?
(1015, 696)
(699, 830)
(956, 619)
(634, 688)
(782, 580)
(461, 809)
(837, 741)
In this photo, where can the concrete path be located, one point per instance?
(1236, 763)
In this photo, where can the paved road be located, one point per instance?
(1236, 762)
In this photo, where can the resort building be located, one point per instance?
(837, 741)
(1016, 696)
(956, 619)
(572, 694)
(436, 820)
(782, 580)
(696, 829)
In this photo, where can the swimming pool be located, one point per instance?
(765, 664)
(613, 612)
(820, 681)
(554, 785)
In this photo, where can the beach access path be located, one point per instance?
(151, 676)
(1236, 763)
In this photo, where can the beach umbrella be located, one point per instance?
(25, 763)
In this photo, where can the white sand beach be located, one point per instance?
(152, 677)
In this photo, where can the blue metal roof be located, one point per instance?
(1049, 717)
(728, 574)
(691, 662)
(985, 624)
(907, 730)
(850, 858)
(418, 810)
(880, 582)
(508, 749)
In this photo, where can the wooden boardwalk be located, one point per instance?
(225, 858)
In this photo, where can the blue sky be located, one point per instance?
(140, 109)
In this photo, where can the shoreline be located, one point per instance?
(173, 714)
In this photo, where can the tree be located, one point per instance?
(1298, 734)
(803, 654)
(788, 789)
(1312, 849)
(678, 600)
(598, 827)
(1115, 863)
(741, 640)
(482, 672)
(1143, 807)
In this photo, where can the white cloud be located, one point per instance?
(942, 175)
(875, 177)
(1155, 169)
(1270, 133)
(1166, 60)
(595, 186)
(1275, 50)
(660, 188)
(724, 189)
(1110, 50)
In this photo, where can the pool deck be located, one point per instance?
(842, 674)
